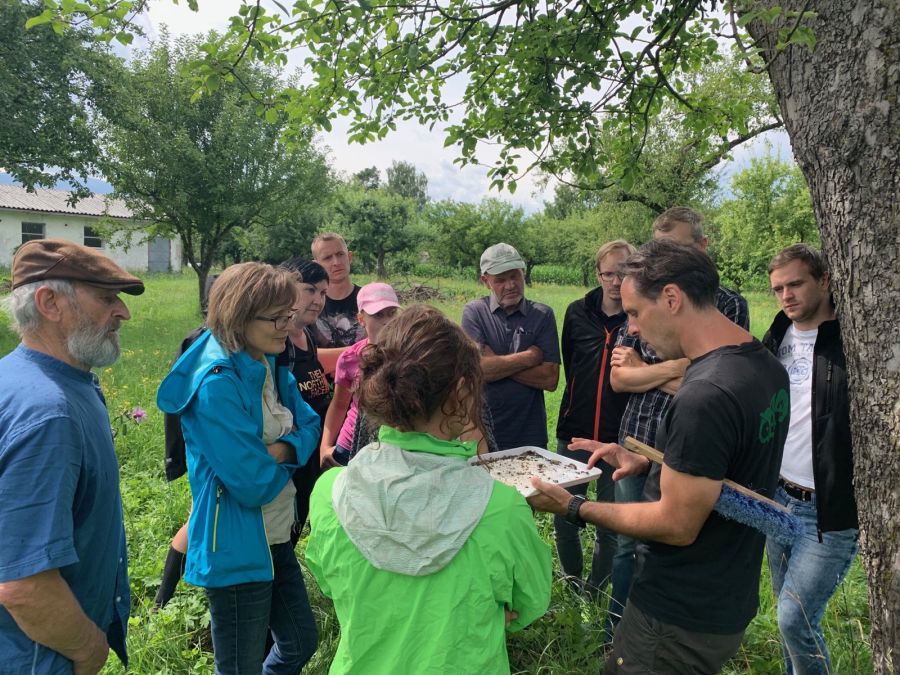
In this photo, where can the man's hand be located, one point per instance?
(510, 616)
(625, 462)
(626, 356)
(551, 498)
(326, 457)
(536, 354)
(498, 367)
(281, 452)
(672, 386)
(46, 610)
(90, 659)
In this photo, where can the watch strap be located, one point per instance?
(572, 515)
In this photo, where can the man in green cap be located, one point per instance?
(519, 349)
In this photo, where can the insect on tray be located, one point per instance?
(516, 466)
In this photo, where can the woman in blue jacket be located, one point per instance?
(246, 429)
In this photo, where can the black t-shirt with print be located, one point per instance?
(311, 381)
(729, 419)
(337, 325)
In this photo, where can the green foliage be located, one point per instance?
(771, 208)
(47, 82)
(375, 222)
(561, 86)
(573, 240)
(405, 180)
(460, 231)
(211, 170)
(367, 179)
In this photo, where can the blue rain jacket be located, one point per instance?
(219, 398)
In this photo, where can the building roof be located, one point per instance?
(56, 201)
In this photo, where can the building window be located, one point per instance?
(92, 238)
(32, 231)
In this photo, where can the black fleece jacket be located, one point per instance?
(832, 450)
(589, 408)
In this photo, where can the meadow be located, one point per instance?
(176, 639)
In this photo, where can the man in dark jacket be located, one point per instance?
(589, 407)
(816, 481)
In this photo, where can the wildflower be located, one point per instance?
(138, 414)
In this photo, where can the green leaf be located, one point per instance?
(44, 17)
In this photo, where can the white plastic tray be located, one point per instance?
(557, 469)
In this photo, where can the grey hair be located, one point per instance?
(22, 309)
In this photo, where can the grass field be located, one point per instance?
(175, 640)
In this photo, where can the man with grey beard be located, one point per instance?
(64, 596)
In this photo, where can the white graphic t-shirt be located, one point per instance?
(796, 355)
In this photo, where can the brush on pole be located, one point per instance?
(739, 503)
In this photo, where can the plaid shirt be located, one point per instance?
(644, 411)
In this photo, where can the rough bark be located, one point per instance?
(841, 109)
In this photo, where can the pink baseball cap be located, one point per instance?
(375, 297)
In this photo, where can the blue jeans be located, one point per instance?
(628, 489)
(804, 576)
(568, 537)
(243, 614)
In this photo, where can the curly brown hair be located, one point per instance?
(414, 369)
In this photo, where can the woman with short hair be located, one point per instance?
(246, 429)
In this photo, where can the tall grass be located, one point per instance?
(176, 640)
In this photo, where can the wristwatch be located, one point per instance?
(572, 511)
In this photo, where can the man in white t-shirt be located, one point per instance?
(816, 481)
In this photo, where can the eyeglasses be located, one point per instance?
(608, 276)
(281, 322)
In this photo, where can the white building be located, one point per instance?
(47, 214)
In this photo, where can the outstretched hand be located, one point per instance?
(625, 463)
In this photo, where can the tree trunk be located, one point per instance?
(529, 266)
(841, 109)
(380, 272)
(202, 273)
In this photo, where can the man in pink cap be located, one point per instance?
(378, 304)
(64, 598)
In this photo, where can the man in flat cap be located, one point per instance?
(519, 349)
(64, 596)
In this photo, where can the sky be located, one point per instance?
(410, 142)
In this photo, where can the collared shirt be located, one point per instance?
(60, 506)
(518, 411)
(644, 411)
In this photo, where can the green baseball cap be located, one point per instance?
(501, 258)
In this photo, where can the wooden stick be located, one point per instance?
(655, 455)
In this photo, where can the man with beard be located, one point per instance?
(64, 596)
(697, 581)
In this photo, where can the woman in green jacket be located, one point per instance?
(428, 559)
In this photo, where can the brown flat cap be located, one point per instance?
(42, 259)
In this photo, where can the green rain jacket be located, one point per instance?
(421, 553)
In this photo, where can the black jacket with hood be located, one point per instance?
(589, 407)
(832, 449)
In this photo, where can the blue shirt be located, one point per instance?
(519, 416)
(60, 506)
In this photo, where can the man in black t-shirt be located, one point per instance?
(338, 326)
(697, 581)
